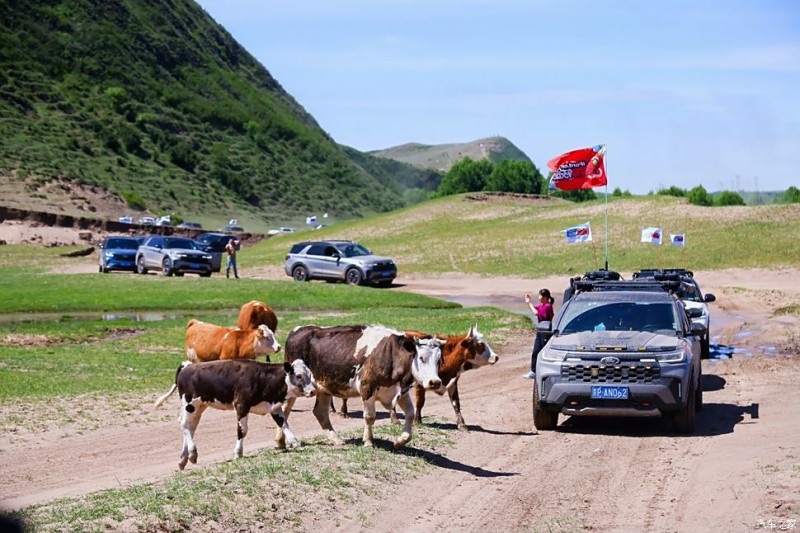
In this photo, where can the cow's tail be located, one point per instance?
(163, 398)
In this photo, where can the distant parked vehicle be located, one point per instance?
(190, 225)
(118, 252)
(232, 229)
(280, 230)
(166, 220)
(126, 220)
(214, 243)
(172, 255)
(147, 221)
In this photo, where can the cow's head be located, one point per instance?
(264, 341)
(299, 379)
(480, 352)
(425, 365)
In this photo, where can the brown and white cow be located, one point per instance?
(245, 386)
(209, 342)
(459, 354)
(254, 313)
(369, 361)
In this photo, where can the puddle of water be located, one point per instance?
(135, 316)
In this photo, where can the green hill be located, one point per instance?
(155, 103)
(440, 157)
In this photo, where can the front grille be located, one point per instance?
(383, 267)
(621, 373)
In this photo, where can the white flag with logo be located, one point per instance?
(651, 235)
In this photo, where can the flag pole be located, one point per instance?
(605, 161)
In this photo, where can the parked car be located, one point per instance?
(126, 220)
(118, 252)
(280, 231)
(695, 302)
(232, 229)
(189, 225)
(147, 221)
(337, 260)
(172, 255)
(619, 348)
(214, 243)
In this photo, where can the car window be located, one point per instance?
(355, 250)
(178, 242)
(591, 315)
(317, 249)
(122, 244)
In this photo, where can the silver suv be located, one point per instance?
(619, 348)
(172, 255)
(345, 261)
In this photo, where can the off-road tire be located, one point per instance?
(683, 420)
(353, 276)
(543, 419)
(166, 267)
(300, 273)
(140, 268)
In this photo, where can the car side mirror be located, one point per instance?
(694, 312)
(709, 298)
(697, 329)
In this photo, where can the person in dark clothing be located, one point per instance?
(570, 291)
(542, 312)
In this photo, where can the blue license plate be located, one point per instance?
(194, 266)
(603, 392)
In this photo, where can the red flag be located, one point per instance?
(579, 169)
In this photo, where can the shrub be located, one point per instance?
(133, 200)
(699, 196)
(728, 198)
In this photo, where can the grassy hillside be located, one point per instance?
(514, 235)
(441, 157)
(154, 100)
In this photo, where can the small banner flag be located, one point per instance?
(580, 233)
(579, 169)
(651, 235)
(678, 239)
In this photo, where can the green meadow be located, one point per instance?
(63, 334)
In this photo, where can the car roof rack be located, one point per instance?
(655, 272)
(647, 284)
(602, 275)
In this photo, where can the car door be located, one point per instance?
(319, 264)
(152, 252)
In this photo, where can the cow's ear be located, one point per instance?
(288, 367)
(410, 344)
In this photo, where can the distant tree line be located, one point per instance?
(700, 196)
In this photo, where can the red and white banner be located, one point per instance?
(579, 169)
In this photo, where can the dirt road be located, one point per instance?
(740, 471)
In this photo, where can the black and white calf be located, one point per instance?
(243, 385)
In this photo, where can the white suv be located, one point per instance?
(333, 260)
(172, 255)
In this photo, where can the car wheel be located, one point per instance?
(698, 394)
(205, 274)
(300, 273)
(353, 276)
(683, 420)
(166, 267)
(140, 268)
(179, 274)
(705, 347)
(543, 419)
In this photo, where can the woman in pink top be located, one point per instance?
(544, 312)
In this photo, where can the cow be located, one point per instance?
(209, 342)
(254, 313)
(245, 386)
(370, 361)
(459, 354)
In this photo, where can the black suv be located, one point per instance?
(214, 243)
(620, 348)
(345, 261)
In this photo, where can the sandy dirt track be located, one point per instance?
(739, 470)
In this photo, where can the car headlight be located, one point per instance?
(675, 356)
(109, 255)
(554, 353)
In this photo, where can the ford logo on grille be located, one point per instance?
(609, 361)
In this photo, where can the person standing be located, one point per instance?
(543, 312)
(230, 249)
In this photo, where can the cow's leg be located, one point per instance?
(408, 410)
(343, 411)
(280, 421)
(189, 422)
(241, 433)
(454, 401)
(280, 436)
(369, 420)
(419, 401)
(323, 414)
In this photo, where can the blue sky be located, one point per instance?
(683, 92)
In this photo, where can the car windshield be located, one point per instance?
(121, 244)
(178, 242)
(592, 315)
(354, 250)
